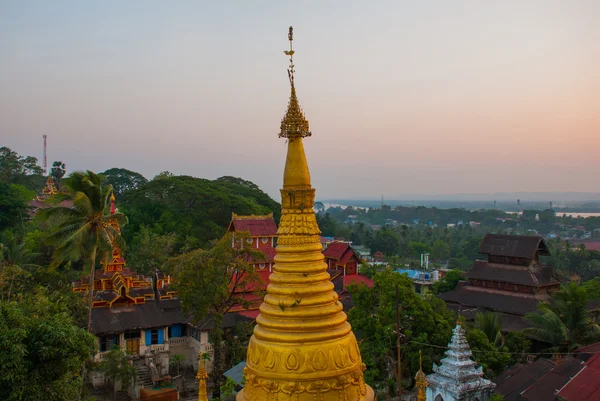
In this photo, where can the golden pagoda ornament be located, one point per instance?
(48, 190)
(201, 376)
(421, 381)
(303, 348)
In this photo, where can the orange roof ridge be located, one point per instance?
(251, 216)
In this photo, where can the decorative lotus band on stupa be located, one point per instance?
(303, 348)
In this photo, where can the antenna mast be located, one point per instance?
(45, 157)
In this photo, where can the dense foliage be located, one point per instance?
(423, 320)
(194, 209)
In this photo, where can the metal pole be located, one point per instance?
(398, 344)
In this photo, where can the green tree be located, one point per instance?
(565, 324)
(440, 250)
(83, 231)
(13, 207)
(177, 360)
(496, 397)
(449, 282)
(118, 369)
(490, 324)
(16, 263)
(417, 248)
(492, 359)
(57, 172)
(386, 241)
(17, 169)
(592, 287)
(210, 282)
(123, 180)
(197, 210)
(150, 251)
(41, 351)
(423, 320)
(518, 345)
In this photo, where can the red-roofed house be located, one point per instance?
(340, 256)
(263, 236)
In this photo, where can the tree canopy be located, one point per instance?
(195, 209)
(123, 180)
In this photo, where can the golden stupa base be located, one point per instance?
(305, 396)
(325, 371)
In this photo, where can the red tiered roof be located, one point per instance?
(257, 226)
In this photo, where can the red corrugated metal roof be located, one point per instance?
(585, 386)
(261, 227)
(252, 314)
(269, 254)
(336, 250)
(358, 279)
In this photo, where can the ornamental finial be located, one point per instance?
(291, 54)
(294, 123)
(421, 381)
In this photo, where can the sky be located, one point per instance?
(404, 98)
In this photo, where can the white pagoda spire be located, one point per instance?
(458, 377)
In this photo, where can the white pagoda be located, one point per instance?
(458, 378)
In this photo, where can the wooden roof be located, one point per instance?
(538, 276)
(520, 246)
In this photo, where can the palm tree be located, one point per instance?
(15, 260)
(83, 231)
(490, 323)
(564, 323)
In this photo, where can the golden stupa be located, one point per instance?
(303, 348)
(201, 376)
(421, 381)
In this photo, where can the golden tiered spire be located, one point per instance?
(303, 348)
(421, 381)
(201, 376)
(294, 123)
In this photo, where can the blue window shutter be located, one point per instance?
(161, 336)
(176, 330)
(148, 337)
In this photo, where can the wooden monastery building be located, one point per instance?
(512, 281)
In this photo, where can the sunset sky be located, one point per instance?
(404, 98)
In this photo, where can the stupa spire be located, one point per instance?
(303, 348)
(458, 375)
(201, 376)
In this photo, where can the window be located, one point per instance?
(261, 266)
(130, 335)
(155, 336)
(249, 240)
(175, 331)
(265, 240)
(204, 337)
(107, 342)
